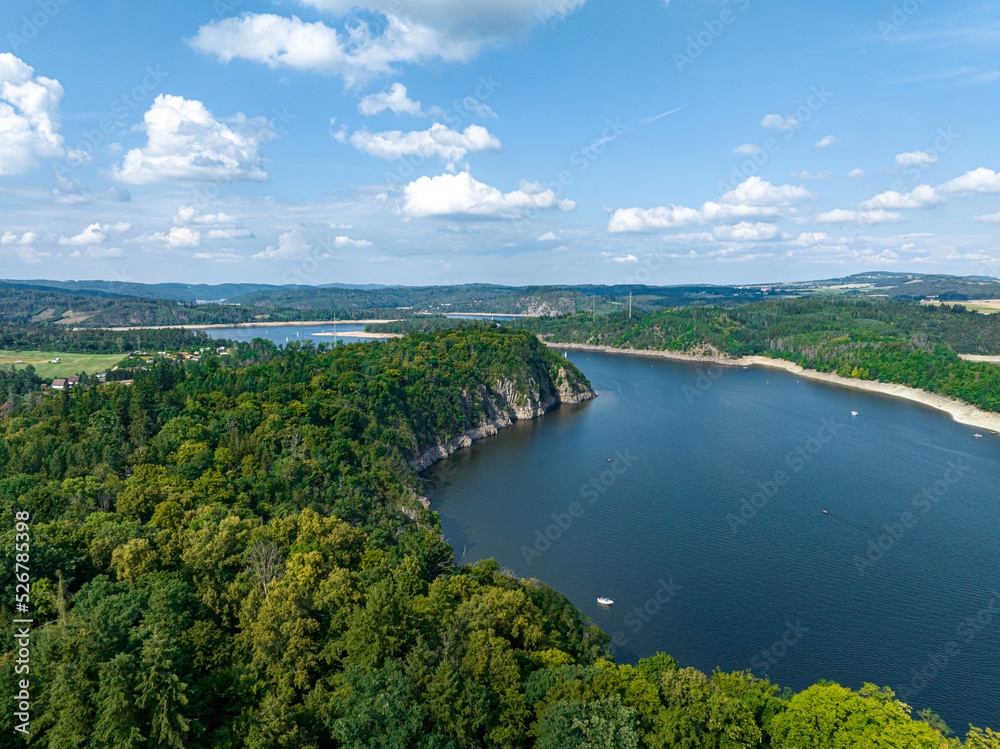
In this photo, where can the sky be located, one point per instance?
(503, 141)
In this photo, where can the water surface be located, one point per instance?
(669, 530)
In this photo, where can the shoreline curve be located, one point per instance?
(960, 411)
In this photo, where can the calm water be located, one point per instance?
(287, 334)
(783, 588)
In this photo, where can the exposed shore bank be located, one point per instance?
(961, 412)
(207, 326)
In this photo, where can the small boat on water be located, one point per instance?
(854, 413)
(978, 436)
(605, 601)
(825, 512)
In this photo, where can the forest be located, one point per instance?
(233, 554)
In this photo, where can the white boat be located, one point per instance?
(605, 601)
(854, 413)
(978, 436)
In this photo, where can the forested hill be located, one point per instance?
(884, 340)
(231, 555)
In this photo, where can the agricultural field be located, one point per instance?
(985, 306)
(71, 364)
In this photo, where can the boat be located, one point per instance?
(825, 512)
(978, 436)
(605, 601)
(854, 413)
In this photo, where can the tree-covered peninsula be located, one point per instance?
(233, 554)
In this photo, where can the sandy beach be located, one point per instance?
(961, 412)
(295, 324)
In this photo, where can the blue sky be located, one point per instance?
(508, 141)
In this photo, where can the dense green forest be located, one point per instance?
(233, 554)
(889, 341)
(25, 337)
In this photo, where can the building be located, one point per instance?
(59, 384)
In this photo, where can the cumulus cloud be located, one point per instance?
(95, 234)
(343, 241)
(746, 232)
(992, 218)
(753, 198)
(462, 195)
(922, 196)
(978, 180)
(395, 99)
(97, 253)
(919, 159)
(748, 149)
(185, 142)
(229, 234)
(190, 216)
(29, 116)
(856, 174)
(441, 141)
(842, 216)
(777, 122)
(291, 246)
(222, 257)
(178, 237)
(10, 238)
(416, 32)
(826, 141)
(549, 236)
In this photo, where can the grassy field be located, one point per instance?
(985, 306)
(71, 364)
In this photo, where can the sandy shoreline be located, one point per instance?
(978, 358)
(362, 335)
(293, 324)
(961, 412)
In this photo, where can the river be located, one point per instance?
(707, 527)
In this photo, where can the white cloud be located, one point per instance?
(856, 174)
(343, 241)
(177, 237)
(10, 238)
(746, 232)
(441, 141)
(31, 256)
(222, 257)
(807, 239)
(814, 175)
(777, 122)
(919, 159)
(395, 99)
(991, 218)
(229, 234)
(96, 253)
(753, 198)
(291, 246)
(978, 180)
(186, 142)
(626, 259)
(826, 141)
(462, 195)
(95, 234)
(922, 196)
(416, 32)
(841, 216)
(748, 149)
(191, 216)
(549, 236)
(29, 116)
(561, 248)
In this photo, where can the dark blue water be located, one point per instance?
(707, 527)
(290, 333)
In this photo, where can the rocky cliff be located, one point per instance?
(505, 401)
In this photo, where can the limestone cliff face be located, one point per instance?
(505, 402)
